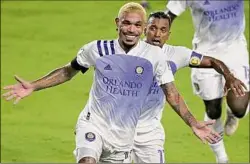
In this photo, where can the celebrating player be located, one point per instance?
(219, 32)
(124, 71)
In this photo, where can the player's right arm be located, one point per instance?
(25, 88)
(175, 8)
(56, 77)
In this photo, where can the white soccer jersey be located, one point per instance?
(178, 57)
(120, 85)
(215, 21)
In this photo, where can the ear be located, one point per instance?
(169, 35)
(117, 22)
(145, 30)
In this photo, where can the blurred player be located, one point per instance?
(219, 32)
(145, 4)
(150, 136)
(124, 71)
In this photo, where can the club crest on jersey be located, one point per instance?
(195, 61)
(139, 70)
(90, 136)
(206, 2)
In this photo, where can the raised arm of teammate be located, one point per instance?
(237, 86)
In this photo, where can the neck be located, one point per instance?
(125, 47)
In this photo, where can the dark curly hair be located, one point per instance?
(160, 15)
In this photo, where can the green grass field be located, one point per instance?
(37, 37)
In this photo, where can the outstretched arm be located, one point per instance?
(235, 84)
(24, 88)
(200, 129)
(55, 77)
(219, 66)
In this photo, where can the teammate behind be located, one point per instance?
(150, 136)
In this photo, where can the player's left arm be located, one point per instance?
(165, 79)
(177, 103)
(200, 129)
(235, 84)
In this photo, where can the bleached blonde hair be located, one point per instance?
(132, 7)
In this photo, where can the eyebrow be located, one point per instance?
(131, 21)
(156, 26)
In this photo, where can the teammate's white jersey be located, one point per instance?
(178, 57)
(120, 85)
(215, 21)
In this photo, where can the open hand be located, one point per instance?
(18, 91)
(204, 133)
(236, 85)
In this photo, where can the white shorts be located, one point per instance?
(149, 146)
(90, 143)
(209, 84)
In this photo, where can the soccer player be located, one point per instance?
(219, 32)
(150, 136)
(124, 71)
(145, 4)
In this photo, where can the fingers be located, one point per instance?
(242, 87)
(209, 122)
(20, 80)
(206, 134)
(13, 86)
(8, 87)
(212, 137)
(234, 90)
(242, 84)
(238, 91)
(17, 100)
(11, 97)
(8, 93)
(209, 140)
(215, 134)
(238, 88)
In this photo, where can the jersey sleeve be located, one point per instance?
(181, 56)
(177, 6)
(85, 56)
(163, 70)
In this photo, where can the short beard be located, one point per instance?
(126, 47)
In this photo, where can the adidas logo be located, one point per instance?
(108, 67)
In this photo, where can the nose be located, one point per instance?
(158, 33)
(132, 28)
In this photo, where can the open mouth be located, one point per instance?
(156, 42)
